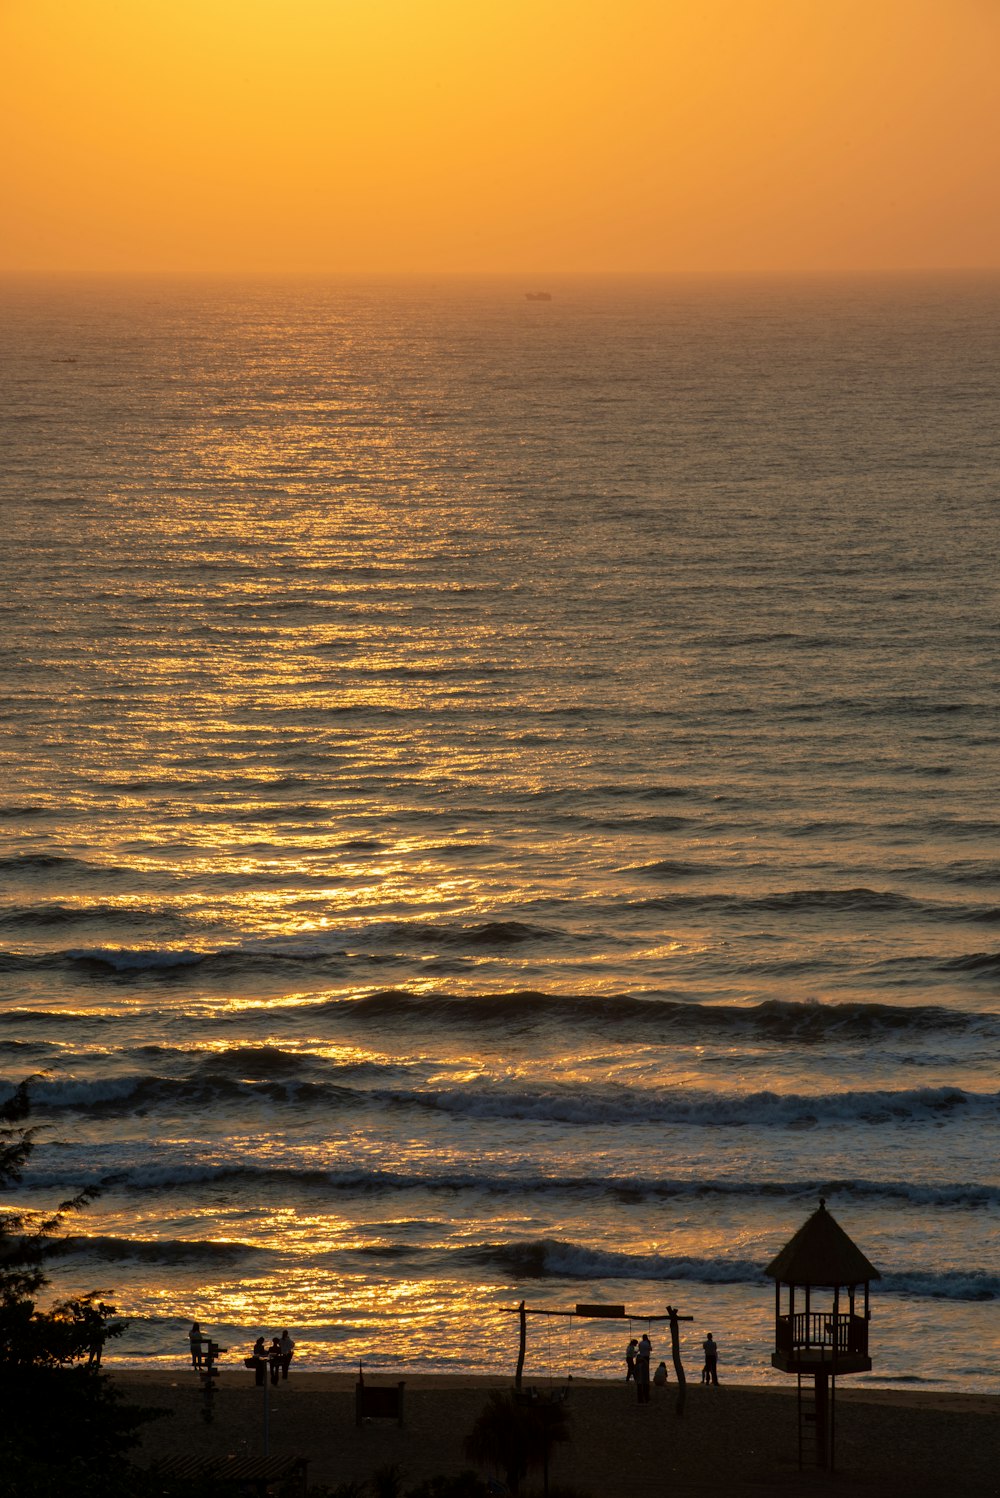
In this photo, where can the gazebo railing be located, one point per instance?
(828, 1334)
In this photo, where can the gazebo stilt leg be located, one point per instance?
(822, 1419)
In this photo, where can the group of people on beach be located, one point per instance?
(638, 1355)
(277, 1358)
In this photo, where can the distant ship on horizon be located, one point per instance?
(538, 296)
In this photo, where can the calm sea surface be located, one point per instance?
(499, 800)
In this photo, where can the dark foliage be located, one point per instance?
(465, 1485)
(64, 1426)
(387, 1482)
(513, 1435)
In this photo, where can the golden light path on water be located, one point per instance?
(500, 802)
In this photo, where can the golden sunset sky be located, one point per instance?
(473, 135)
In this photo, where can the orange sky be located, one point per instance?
(499, 135)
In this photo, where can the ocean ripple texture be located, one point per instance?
(499, 801)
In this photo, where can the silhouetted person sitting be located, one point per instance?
(660, 1376)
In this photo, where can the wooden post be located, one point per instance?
(209, 1373)
(521, 1346)
(822, 1428)
(833, 1419)
(675, 1352)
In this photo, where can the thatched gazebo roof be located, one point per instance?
(821, 1253)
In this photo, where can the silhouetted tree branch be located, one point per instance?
(64, 1426)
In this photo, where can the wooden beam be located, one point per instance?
(625, 1316)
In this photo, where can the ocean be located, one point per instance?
(499, 801)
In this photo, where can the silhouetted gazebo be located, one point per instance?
(821, 1341)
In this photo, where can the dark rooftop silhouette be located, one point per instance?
(821, 1253)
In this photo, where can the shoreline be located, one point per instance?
(232, 1372)
(335, 1379)
(735, 1439)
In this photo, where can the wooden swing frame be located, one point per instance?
(596, 1312)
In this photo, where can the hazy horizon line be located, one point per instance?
(535, 277)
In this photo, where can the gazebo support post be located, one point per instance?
(521, 1346)
(822, 1385)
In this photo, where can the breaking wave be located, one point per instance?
(550, 1259)
(317, 951)
(708, 1109)
(26, 864)
(52, 916)
(376, 1182)
(226, 1081)
(115, 1250)
(543, 1258)
(852, 900)
(777, 1018)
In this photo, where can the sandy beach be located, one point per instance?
(730, 1440)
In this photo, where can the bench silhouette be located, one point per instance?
(377, 1401)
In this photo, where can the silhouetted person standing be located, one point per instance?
(642, 1357)
(711, 1370)
(287, 1348)
(630, 1358)
(194, 1337)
